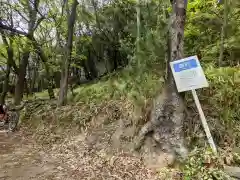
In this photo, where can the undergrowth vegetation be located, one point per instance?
(113, 65)
(222, 101)
(203, 164)
(221, 106)
(117, 95)
(128, 83)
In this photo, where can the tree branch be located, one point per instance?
(2, 69)
(35, 4)
(38, 22)
(17, 10)
(3, 55)
(2, 26)
(4, 38)
(9, 48)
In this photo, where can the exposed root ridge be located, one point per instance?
(165, 124)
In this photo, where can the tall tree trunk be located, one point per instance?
(9, 64)
(67, 56)
(167, 42)
(91, 65)
(29, 79)
(33, 82)
(223, 33)
(5, 84)
(167, 115)
(48, 73)
(26, 88)
(19, 87)
(50, 82)
(32, 10)
(138, 32)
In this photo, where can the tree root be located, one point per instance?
(165, 124)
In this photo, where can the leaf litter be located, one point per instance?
(84, 150)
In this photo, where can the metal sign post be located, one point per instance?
(188, 75)
(204, 122)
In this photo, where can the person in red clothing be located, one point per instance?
(3, 114)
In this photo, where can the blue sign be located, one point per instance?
(185, 65)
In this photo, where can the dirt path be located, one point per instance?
(22, 159)
(100, 152)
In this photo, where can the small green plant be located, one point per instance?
(203, 164)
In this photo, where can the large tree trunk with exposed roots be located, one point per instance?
(165, 124)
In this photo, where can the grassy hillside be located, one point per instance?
(123, 97)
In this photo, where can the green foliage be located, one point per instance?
(125, 84)
(203, 164)
(107, 34)
(220, 102)
(153, 40)
(203, 28)
(40, 95)
(224, 93)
